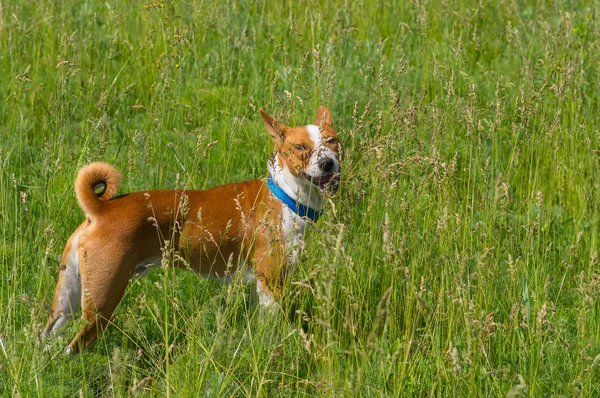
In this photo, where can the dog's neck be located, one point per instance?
(298, 188)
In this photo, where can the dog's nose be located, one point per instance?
(326, 164)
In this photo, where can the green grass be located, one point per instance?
(460, 257)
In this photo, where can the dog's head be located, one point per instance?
(309, 152)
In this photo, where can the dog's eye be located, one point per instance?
(299, 147)
(330, 140)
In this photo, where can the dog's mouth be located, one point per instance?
(328, 182)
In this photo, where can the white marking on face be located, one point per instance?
(314, 133)
(320, 152)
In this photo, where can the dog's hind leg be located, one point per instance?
(104, 275)
(67, 295)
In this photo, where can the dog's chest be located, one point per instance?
(293, 228)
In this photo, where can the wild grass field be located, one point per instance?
(460, 257)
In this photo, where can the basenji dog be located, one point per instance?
(254, 227)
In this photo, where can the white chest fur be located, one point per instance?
(293, 228)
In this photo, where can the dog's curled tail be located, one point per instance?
(96, 183)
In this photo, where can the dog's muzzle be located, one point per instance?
(329, 181)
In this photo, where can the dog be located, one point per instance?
(254, 227)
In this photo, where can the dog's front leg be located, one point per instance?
(266, 297)
(270, 277)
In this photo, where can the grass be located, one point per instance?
(460, 257)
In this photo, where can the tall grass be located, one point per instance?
(460, 257)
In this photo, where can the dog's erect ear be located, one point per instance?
(323, 117)
(276, 129)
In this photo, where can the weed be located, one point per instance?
(460, 257)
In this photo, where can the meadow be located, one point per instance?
(459, 258)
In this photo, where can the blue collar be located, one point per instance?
(296, 207)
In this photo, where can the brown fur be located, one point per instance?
(208, 231)
(210, 236)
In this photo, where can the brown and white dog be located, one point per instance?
(255, 227)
